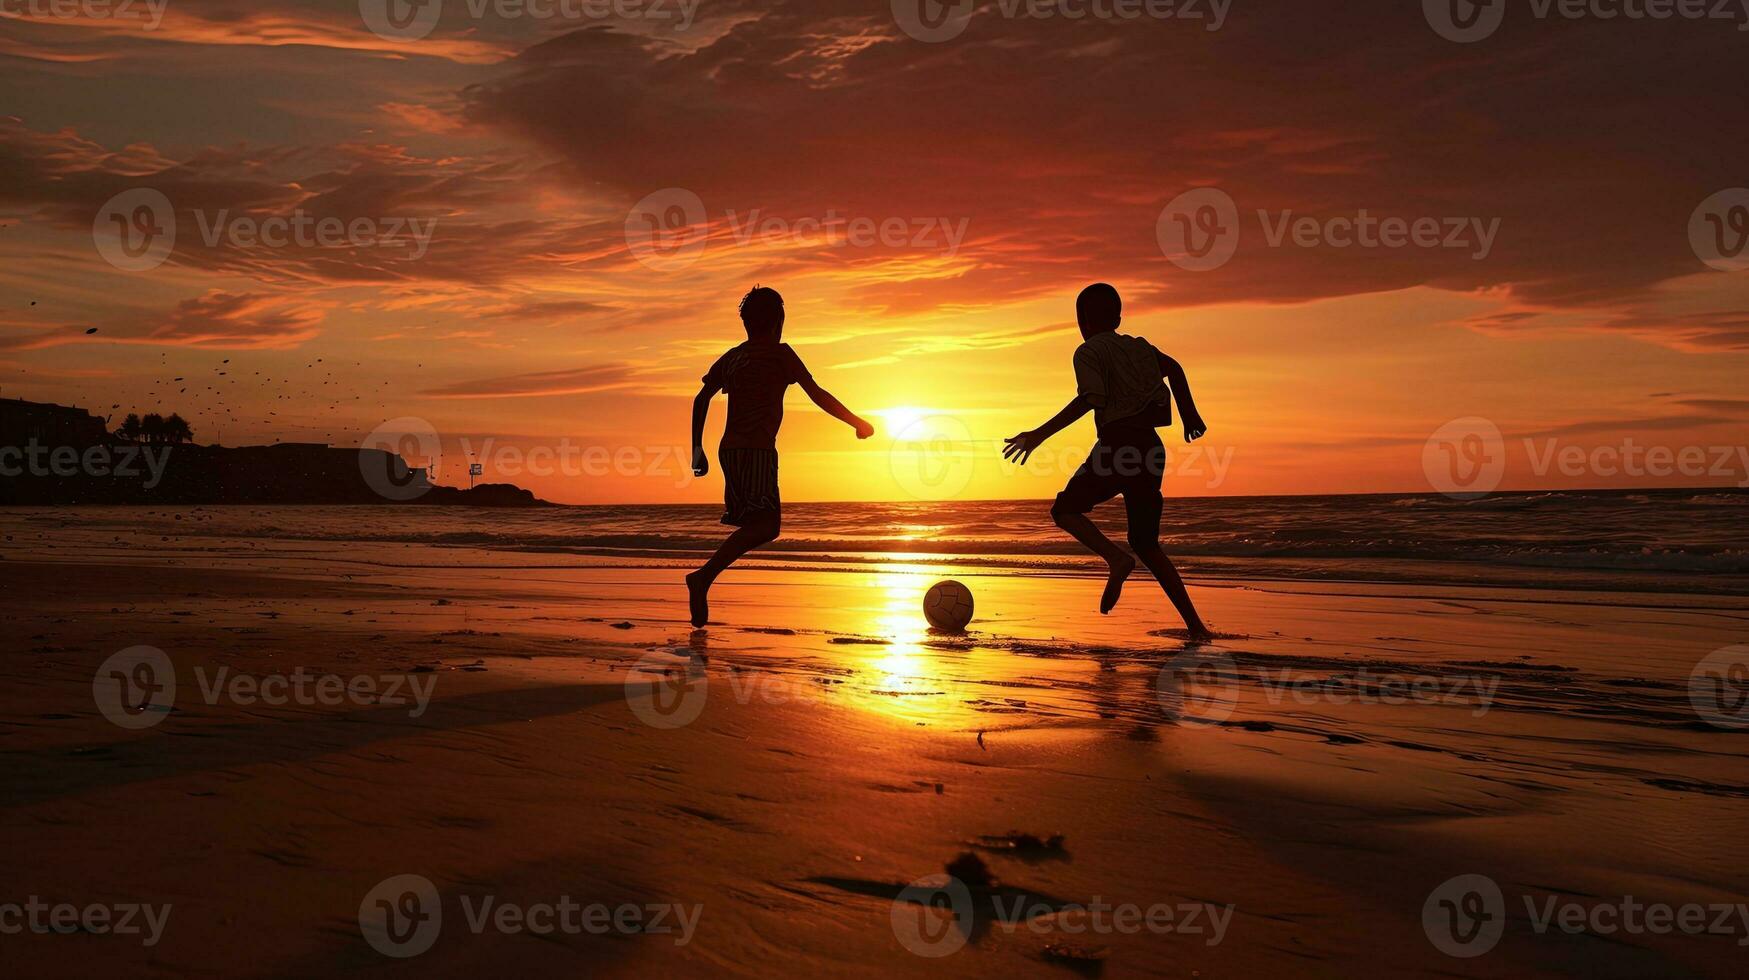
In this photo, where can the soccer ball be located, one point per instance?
(948, 606)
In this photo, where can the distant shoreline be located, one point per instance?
(61, 456)
(446, 496)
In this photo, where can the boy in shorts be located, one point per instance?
(756, 375)
(1119, 379)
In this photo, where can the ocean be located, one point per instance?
(1646, 540)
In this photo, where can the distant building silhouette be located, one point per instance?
(23, 422)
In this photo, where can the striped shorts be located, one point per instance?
(749, 484)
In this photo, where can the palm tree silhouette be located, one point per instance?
(176, 430)
(155, 429)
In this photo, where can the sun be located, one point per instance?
(902, 417)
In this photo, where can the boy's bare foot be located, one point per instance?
(1201, 634)
(698, 596)
(1120, 570)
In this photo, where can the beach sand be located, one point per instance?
(787, 772)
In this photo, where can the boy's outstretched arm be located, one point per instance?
(1173, 372)
(701, 406)
(835, 408)
(1020, 447)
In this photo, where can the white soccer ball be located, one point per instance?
(948, 605)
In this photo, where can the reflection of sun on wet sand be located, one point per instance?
(1319, 771)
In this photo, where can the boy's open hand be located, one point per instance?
(1194, 428)
(701, 463)
(1019, 448)
(864, 429)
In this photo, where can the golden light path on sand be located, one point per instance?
(905, 680)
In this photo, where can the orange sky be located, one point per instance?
(929, 210)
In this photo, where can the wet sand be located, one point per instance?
(1308, 782)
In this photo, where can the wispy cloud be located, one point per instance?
(572, 381)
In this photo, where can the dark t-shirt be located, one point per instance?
(755, 375)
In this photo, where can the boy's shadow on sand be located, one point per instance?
(972, 907)
(937, 914)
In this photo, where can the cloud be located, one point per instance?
(91, 32)
(238, 321)
(422, 118)
(391, 216)
(572, 381)
(922, 344)
(796, 111)
(1059, 141)
(551, 310)
(214, 320)
(1657, 424)
(1724, 406)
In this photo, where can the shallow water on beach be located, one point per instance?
(1656, 540)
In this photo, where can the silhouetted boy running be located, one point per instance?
(1118, 378)
(755, 374)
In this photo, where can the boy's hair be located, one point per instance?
(761, 310)
(1099, 307)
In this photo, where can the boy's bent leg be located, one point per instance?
(1070, 513)
(760, 529)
